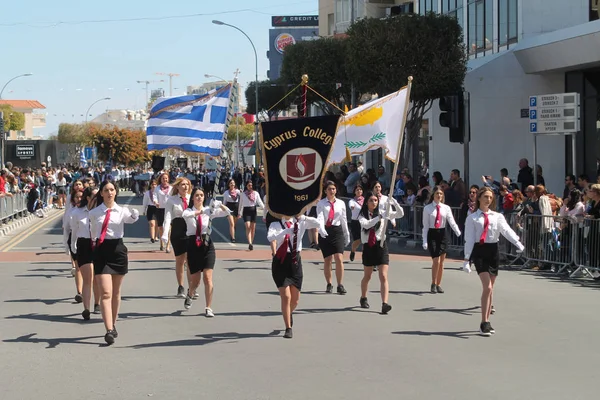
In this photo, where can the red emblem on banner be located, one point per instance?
(301, 167)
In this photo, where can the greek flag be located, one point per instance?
(82, 160)
(194, 123)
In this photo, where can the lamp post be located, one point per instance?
(6, 84)
(86, 118)
(217, 22)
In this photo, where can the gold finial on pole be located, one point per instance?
(410, 79)
(304, 80)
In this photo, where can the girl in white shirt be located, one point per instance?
(249, 200)
(482, 232)
(355, 205)
(162, 194)
(231, 198)
(200, 248)
(331, 212)
(110, 254)
(69, 238)
(149, 204)
(174, 228)
(436, 217)
(286, 267)
(374, 254)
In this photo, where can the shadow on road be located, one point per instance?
(461, 311)
(458, 335)
(231, 337)
(68, 318)
(54, 342)
(48, 302)
(412, 293)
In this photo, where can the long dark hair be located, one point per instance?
(99, 199)
(574, 198)
(364, 210)
(194, 190)
(87, 192)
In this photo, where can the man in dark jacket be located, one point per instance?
(525, 177)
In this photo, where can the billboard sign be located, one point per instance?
(295, 20)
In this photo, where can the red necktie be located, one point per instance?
(104, 226)
(438, 218)
(331, 214)
(199, 231)
(486, 224)
(184, 202)
(282, 250)
(372, 237)
(295, 244)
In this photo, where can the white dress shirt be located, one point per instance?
(354, 208)
(149, 200)
(227, 196)
(497, 226)
(277, 232)
(246, 202)
(208, 214)
(80, 226)
(339, 215)
(430, 214)
(173, 209)
(395, 212)
(67, 227)
(118, 217)
(161, 197)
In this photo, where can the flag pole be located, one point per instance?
(304, 93)
(397, 161)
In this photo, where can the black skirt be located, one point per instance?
(249, 214)
(313, 212)
(73, 255)
(355, 229)
(178, 236)
(373, 256)
(110, 258)
(151, 213)
(486, 258)
(84, 251)
(287, 274)
(233, 207)
(334, 242)
(202, 257)
(160, 216)
(437, 242)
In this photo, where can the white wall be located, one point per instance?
(541, 16)
(499, 137)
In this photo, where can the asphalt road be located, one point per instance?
(427, 347)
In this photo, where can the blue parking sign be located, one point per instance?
(533, 127)
(533, 101)
(532, 114)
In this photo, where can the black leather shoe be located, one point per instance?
(385, 308)
(329, 288)
(352, 254)
(364, 303)
(433, 288)
(86, 315)
(109, 338)
(341, 289)
(288, 333)
(439, 289)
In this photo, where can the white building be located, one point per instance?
(133, 119)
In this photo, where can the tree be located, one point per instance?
(73, 134)
(382, 53)
(269, 93)
(242, 130)
(120, 145)
(13, 120)
(324, 61)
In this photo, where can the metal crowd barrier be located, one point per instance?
(13, 207)
(586, 257)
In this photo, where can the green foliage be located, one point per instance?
(269, 93)
(73, 134)
(244, 130)
(13, 120)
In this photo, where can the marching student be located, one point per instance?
(149, 204)
(313, 234)
(110, 254)
(68, 238)
(355, 205)
(247, 209)
(331, 212)
(231, 198)
(482, 232)
(81, 245)
(436, 216)
(162, 193)
(286, 267)
(174, 229)
(200, 248)
(371, 219)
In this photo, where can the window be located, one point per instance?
(330, 24)
(594, 5)
(507, 22)
(426, 6)
(481, 26)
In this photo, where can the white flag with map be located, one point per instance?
(377, 124)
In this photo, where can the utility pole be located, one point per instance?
(170, 75)
(352, 88)
(147, 94)
(236, 112)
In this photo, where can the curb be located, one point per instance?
(6, 229)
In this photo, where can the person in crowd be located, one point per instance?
(437, 178)
(422, 195)
(436, 217)
(231, 198)
(61, 189)
(161, 196)
(355, 205)
(540, 175)
(507, 199)
(331, 212)
(384, 179)
(110, 254)
(200, 248)
(472, 200)
(570, 184)
(593, 217)
(375, 249)
(482, 233)
(458, 186)
(149, 204)
(525, 177)
(249, 200)
(353, 178)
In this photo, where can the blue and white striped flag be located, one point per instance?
(82, 160)
(194, 123)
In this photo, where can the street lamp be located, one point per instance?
(217, 22)
(86, 118)
(6, 84)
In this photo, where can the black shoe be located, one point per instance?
(288, 333)
(439, 289)
(493, 310)
(109, 338)
(86, 315)
(351, 256)
(152, 240)
(364, 303)
(329, 288)
(78, 298)
(187, 304)
(232, 240)
(250, 247)
(485, 329)
(317, 248)
(180, 291)
(385, 308)
(492, 330)
(375, 268)
(115, 333)
(341, 289)
(96, 308)
(433, 288)
(312, 245)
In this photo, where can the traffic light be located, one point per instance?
(452, 116)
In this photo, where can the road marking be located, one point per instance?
(223, 237)
(18, 239)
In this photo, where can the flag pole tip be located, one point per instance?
(410, 78)
(304, 79)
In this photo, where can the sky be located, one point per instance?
(74, 62)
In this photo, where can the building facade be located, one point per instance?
(33, 120)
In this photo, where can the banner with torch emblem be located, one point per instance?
(296, 152)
